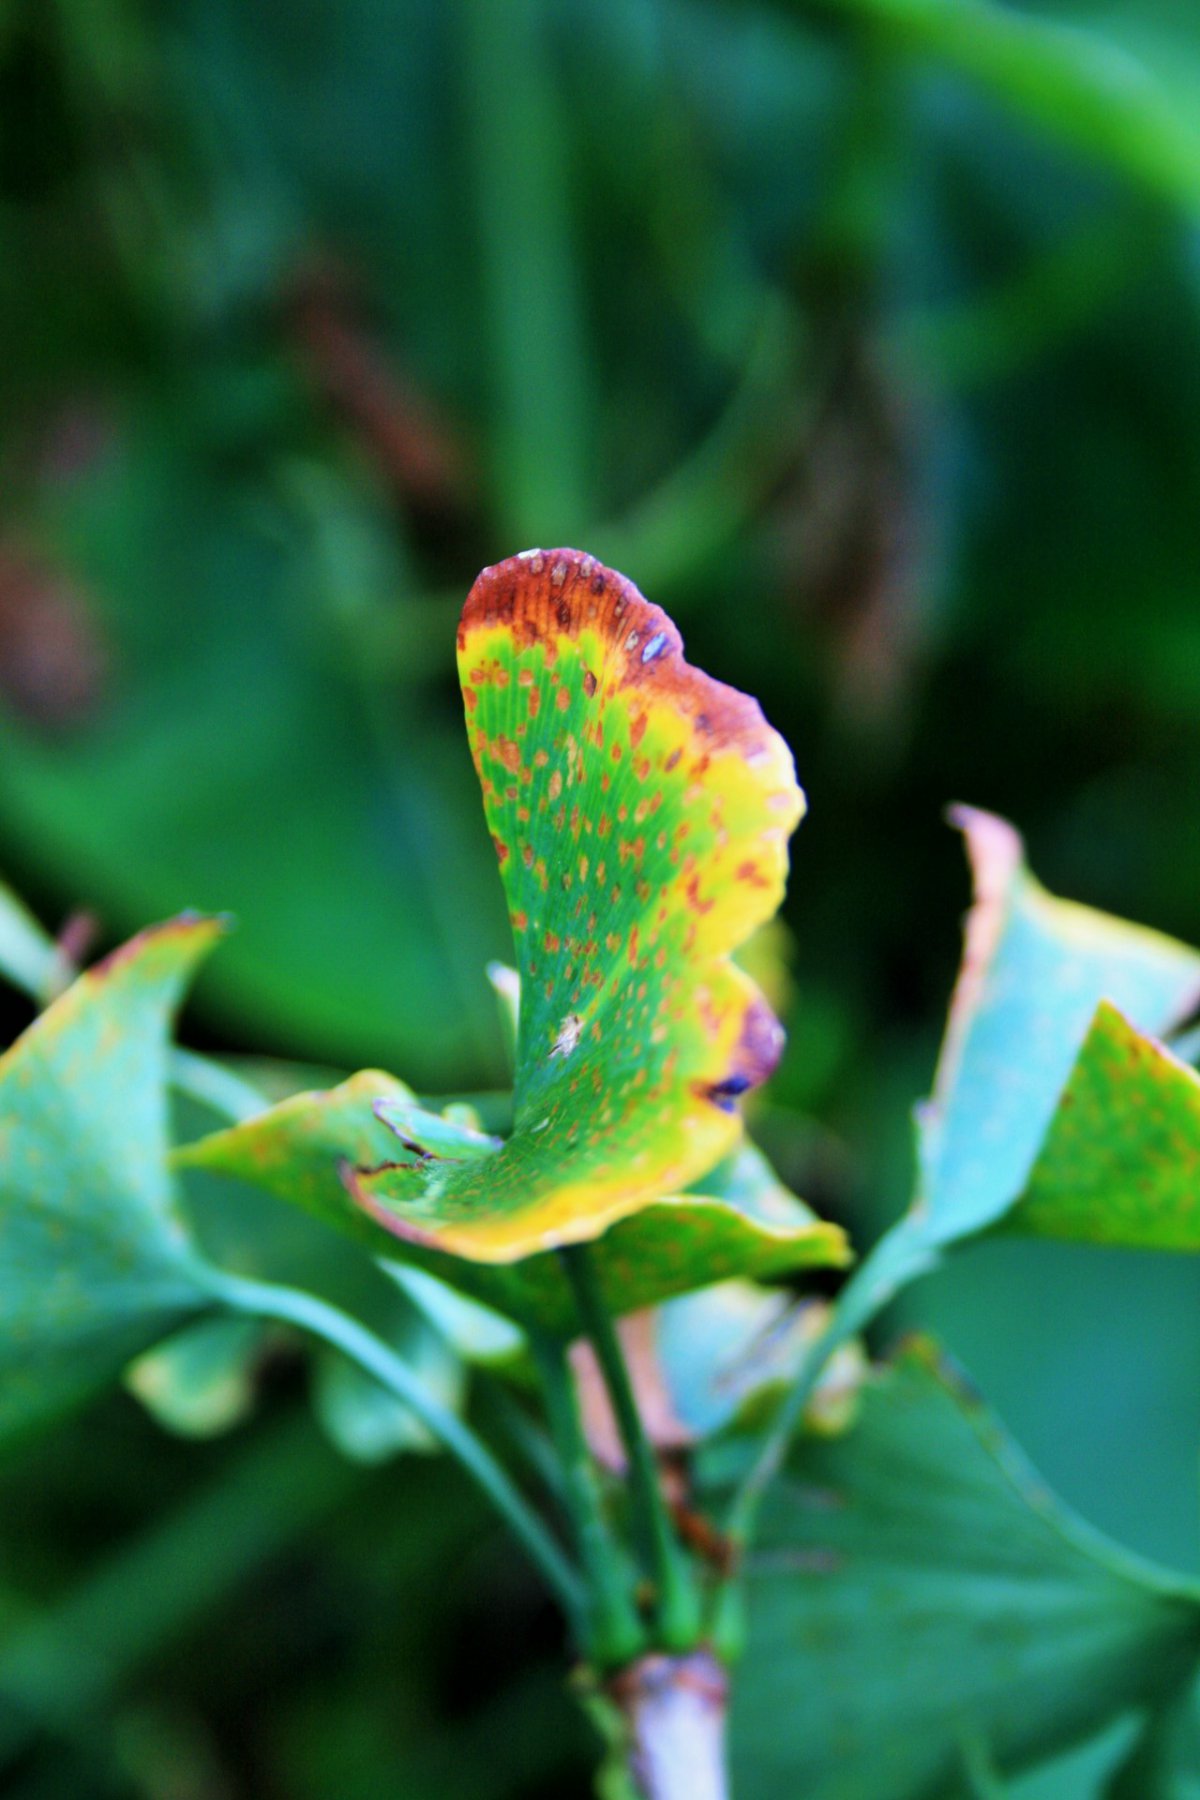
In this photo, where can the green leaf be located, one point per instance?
(1070, 82)
(916, 1595)
(742, 1221)
(366, 1422)
(201, 1382)
(94, 1263)
(1120, 1163)
(1034, 971)
(641, 813)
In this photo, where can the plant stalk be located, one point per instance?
(899, 1256)
(674, 1711)
(321, 1320)
(677, 1604)
(614, 1634)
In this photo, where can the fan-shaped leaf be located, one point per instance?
(1034, 970)
(1120, 1163)
(936, 1598)
(94, 1264)
(641, 812)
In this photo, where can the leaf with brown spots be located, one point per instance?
(742, 1221)
(641, 812)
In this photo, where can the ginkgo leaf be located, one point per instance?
(914, 1590)
(202, 1380)
(640, 811)
(742, 1222)
(1120, 1163)
(94, 1263)
(1034, 970)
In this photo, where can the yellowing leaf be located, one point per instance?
(640, 811)
(1034, 970)
(1120, 1163)
(742, 1222)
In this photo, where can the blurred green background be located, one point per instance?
(864, 336)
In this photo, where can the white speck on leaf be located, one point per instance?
(568, 1035)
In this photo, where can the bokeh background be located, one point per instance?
(865, 336)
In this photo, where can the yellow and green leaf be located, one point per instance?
(640, 811)
(1120, 1163)
(1034, 970)
(742, 1221)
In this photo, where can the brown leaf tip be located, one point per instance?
(542, 595)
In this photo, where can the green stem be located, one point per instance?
(899, 1256)
(317, 1317)
(677, 1603)
(615, 1636)
(213, 1085)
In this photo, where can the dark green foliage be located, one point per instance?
(938, 1599)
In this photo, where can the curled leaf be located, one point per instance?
(742, 1221)
(640, 811)
(1034, 970)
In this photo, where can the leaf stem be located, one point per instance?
(615, 1635)
(677, 1603)
(321, 1320)
(213, 1085)
(900, 1255)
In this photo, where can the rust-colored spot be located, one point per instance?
(562, 699)
(693, 897)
